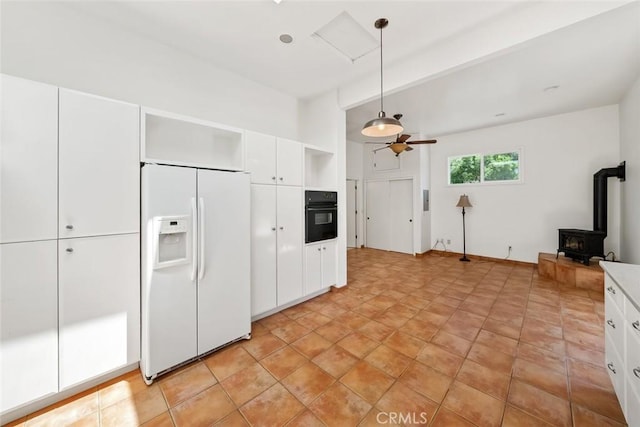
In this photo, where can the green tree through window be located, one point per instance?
(501, 167)
(465, 169)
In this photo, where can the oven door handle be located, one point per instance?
(332, 208)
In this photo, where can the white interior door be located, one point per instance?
(378, 226)
(352, 225)
(224, 300)
(401, 214)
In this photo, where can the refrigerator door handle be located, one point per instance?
(201, 264)
(194, 240)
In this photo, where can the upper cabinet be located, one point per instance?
(29, 160)
(171, 139)
(99, 172)
(273, 160)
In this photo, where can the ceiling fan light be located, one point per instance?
(382, 126)
(398, 147)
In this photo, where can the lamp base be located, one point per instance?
(464, 258)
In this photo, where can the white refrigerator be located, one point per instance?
(195, 263)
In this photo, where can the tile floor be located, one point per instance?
(424, 341)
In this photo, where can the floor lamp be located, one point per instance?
(464, 203)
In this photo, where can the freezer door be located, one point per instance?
(169, 328)
(224, 300)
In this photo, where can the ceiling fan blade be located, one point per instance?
(381, 148)
(377, 142)
(426, 141)
(402, 138)
(408, 149)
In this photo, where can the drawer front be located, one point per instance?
(632, 359)
(615, 368)
(632, 317)
(614, 323)
(612, 290)
(632, 414)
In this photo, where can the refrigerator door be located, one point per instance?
(168, 288)
(224, 300)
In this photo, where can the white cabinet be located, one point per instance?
(622, 335)
(276, 246)
(99, 168)
(273, 160)
(172, 139)
(28, 322)
(320, 266)
(290, 237)
(99, 306)
(29, 161)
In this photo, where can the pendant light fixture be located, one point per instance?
(382, 125)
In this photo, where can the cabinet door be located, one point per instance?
(29, 161)
(290, 237)
(263, 248)
(313, 268)
(261, 157)
(329, 262)
(99, 166)
(28, 322)
(289, 162)
(99, 306)
(224, 294)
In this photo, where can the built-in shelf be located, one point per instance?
(320, 170)
(184, 141)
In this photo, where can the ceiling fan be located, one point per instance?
(401, 144)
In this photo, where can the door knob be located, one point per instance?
(70, 250)
(318, 249)
(273, 229)
(410, 220)
(69, 227)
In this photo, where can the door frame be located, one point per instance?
(358, 215)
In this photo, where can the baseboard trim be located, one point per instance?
(437, 252)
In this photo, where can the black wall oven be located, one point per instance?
(321, 215)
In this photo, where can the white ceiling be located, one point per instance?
(592, 62)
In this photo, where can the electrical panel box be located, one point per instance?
(172, 241)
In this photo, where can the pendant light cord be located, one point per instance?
(381, 76)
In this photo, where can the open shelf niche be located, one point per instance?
(320, 169)
(184, 141)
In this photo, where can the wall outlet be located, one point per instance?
(448, 241)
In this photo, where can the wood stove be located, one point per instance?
(581, 245)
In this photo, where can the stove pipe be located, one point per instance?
(600, 194)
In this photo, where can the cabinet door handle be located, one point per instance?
(636, 372)
(610, 289)
(273, 178)
(281, 227)
(69, 227)
(611, 367)
(324, 249)
(70, 250)
(318, 249)
(273, 229)
(281, 179)
(610, 323)
(636, 325)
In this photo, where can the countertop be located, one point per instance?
(627, 277)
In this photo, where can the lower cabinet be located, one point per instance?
(320, 266)
(276, 246)
(99, 306)
(28, 322)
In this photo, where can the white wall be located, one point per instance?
(53, 43)
(630, 189)
(560, 154)
(323, 124)
(354, 158)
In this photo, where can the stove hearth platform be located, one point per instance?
(571, 273)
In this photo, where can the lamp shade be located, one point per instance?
(464, 202)
(382, 126)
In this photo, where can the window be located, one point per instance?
(481, 168)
